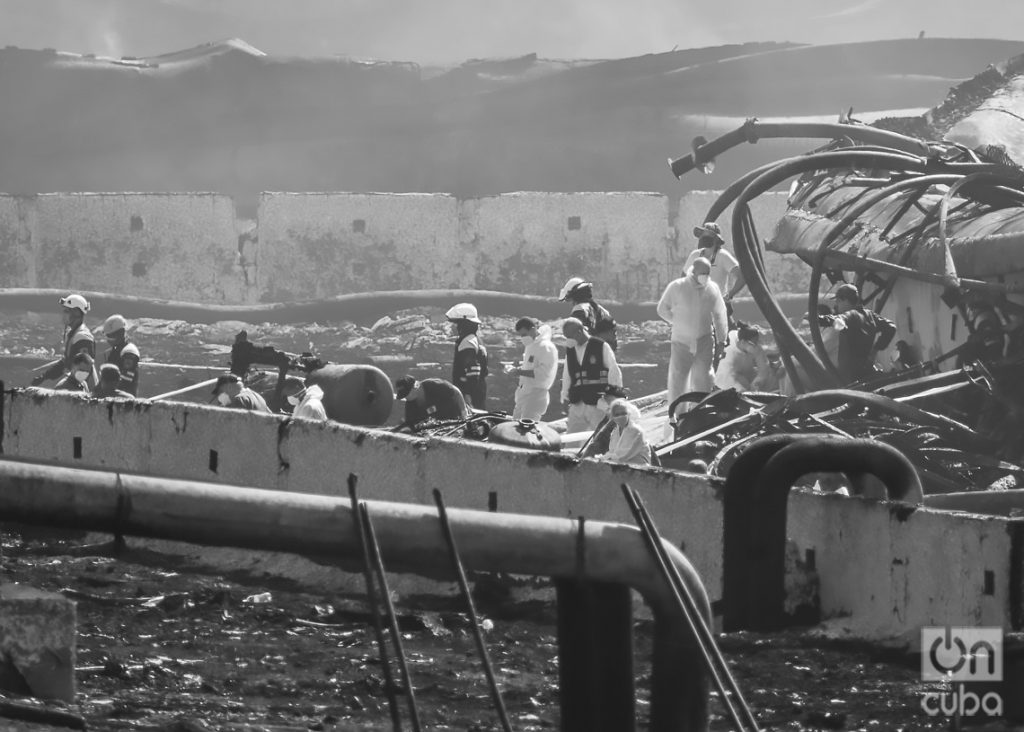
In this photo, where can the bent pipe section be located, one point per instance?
(738, 516)
(766, 563)
(410, 537)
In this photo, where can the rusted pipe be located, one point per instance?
(323, 526)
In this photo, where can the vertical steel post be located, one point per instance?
(595, 656)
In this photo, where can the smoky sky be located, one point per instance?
(449, 31)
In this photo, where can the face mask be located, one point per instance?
(621, 419)
(81, 375)
(293, 400)
(702, 280)
(526, 340)
(571, 343)
(224, 398)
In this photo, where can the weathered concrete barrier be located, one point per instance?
(884, 569)
(308, 246)
(37, 643)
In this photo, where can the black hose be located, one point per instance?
(752, 130)
(818, 375)
(754, 275)
(818, 264)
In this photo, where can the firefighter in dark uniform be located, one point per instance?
(469, 367)
(77, 339)
(595, 317)
(122, 353)
(429, 399)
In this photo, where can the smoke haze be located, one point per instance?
(450, 31)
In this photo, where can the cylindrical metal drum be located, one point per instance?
(355, 393)
(526, 433)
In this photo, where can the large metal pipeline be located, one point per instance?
(410, 540)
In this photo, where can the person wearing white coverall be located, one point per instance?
(537, 370)
(309, 404)
(744, 367)
(590, 368)
(693, 305)
(627, 442)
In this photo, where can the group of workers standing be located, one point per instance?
(708, 350)
(76, 371)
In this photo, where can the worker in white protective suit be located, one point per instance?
(536, 371)
(693, 305)
(309, 404)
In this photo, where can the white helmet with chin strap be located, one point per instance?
(75, 302)
(572, 284)
(463, 311)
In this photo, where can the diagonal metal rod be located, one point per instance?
(382, 580)
(478, 635)
(709, 649)
(371, 594)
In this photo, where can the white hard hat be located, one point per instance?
(113, 324)
(571, 285)
(463, 311)
(75, 301)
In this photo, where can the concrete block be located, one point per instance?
(37, 642)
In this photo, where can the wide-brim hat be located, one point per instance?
(709, 229)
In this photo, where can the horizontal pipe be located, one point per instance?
(409, 538)
(990, 503)
(184, 390)
(752, 131)
(315, 525)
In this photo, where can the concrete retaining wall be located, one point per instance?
(884, 571)
(534, 242)
(191, 246)
(180, 245)
(315, 245)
